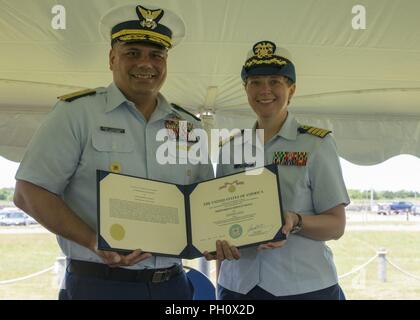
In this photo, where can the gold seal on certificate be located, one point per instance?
(184, 221)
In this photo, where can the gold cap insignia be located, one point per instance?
(266, 58)
(149, 18)
(264, 49)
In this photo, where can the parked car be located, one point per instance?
(15, 217)
(415, 209)
(384, 208)
(401, 206)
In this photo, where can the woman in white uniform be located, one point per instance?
(313, 194)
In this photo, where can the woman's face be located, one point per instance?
(269, 95)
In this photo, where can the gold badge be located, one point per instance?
(115, 167)
(149, 18)
(264, 49)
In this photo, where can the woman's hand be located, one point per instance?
(291, 219)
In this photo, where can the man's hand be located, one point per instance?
(115, 259)
(223, 251)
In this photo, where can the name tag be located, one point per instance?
(244, 165)
(113, 130)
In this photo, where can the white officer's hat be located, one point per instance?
(138, 23)
(266, 58)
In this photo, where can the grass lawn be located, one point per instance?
(24, 254)
(356, 247)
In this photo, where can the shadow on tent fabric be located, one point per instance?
(203, 287)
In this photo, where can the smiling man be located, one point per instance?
(139, 71)
(111, 129)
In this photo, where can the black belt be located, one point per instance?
(102, 271)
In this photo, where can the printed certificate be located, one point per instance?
(185, 220)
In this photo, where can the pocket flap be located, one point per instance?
(112, 142)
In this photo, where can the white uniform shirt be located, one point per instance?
(302, 265)
(70, 146)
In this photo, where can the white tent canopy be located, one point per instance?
(362, 84)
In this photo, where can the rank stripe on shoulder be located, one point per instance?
(177, 107)
(319, 132)
(76, 95)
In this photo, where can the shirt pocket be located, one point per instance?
(295, 188)
(112, 142)
(112, 148)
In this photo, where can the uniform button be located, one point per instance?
(114, 146)
(115, 167)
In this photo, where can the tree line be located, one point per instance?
(6, 194)
(381, 195)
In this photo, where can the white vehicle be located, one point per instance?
(15, 217)
(415, 210)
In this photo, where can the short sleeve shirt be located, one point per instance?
(70, 146)
(309, 186)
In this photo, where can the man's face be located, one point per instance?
(138, 69)
(269, 95)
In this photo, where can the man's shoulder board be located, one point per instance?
(321, 133)
(177, 107)
(76, 95)
(229, 139)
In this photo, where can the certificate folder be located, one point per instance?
(183, 221)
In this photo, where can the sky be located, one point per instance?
(398, 173)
